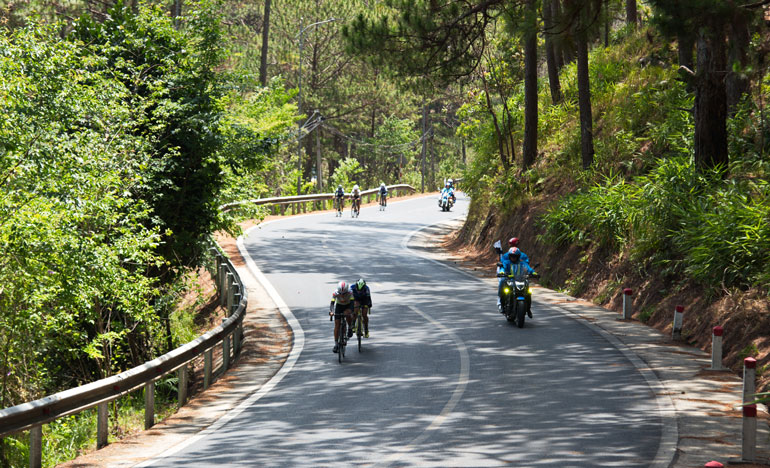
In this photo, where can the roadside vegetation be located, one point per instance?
(589, 128)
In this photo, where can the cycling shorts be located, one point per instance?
(340, 309)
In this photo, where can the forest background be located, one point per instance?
(624, 142)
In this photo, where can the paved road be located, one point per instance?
(443, 381)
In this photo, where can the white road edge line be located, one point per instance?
(669, 435)
(457, 394)
(297, 347)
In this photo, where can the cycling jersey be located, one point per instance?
(362, 296)
(355, 193)
(343, 298)
(383, 190)
(339, 193)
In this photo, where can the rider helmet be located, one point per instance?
(513, 241)
(339, 186)
(450, 181)
(360, 283)
(514, 255)
(355, 187)
(342, 288)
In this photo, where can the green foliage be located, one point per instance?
(175, 94)
(346, 174)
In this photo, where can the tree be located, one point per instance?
(265, 37)
(552, 63)
(706, 20)
(446, 43)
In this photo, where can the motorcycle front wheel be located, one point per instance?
(521, 312)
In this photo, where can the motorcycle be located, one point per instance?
(445, 202)
(514, 296)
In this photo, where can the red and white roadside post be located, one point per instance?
(716, 348)
(627, 303)
(749, 433)
(676, 333)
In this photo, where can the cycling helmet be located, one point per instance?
(360, 283)
(514, 255)
(339, 186)
(513, 241)
(355, 187)
(450, 181)
(342, 288)
(382, 184)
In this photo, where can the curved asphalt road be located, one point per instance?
(443, 381)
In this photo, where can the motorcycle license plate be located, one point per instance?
(520, 298)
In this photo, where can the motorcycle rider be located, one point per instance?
(362, 299)
(449, 192)
(384, 194)
(513, 263)
(342, 304)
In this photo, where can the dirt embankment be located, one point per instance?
(600, 276)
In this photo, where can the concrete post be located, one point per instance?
(749, 433)
(102, 424)
(676, 333)
(749, 379)
(627, 304)
(207, 358)
(716, 348)
(36, 447)
(149, 405)
(182, 387)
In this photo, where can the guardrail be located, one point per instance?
(32, 415)
(299, 202)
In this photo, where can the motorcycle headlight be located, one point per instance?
(506, 290)
(520, 284)
(529, 291)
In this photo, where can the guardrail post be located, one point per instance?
(182, 386)
(222, 284)
(102, 424)
(225, 352)
(676, 332)
(229, 293)
(716, 348)
(749, 379)
(149, 404)
(627, 304)
(207, 358)
(293, 208)
(283, 210)
(36, 447)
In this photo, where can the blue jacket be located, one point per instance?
(362, 296)
(507, 264)
(384, 190)
(339, 193)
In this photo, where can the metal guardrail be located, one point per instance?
(318, 197)
(32, 415)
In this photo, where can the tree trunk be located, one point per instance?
(500, 136)
(550, 54)
(530, 89)
(424, 141)
(631, 17)
(711, 98)
(558, 42)
(265, 37)
(737, 60)
(584, 100)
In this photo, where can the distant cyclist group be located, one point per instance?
(355, 199)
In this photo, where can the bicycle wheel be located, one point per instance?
(359, 327)
(341, 341)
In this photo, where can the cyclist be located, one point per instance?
(342, 304)
(355, 196)
(384, 194)
(339, 196)
(362, 299)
